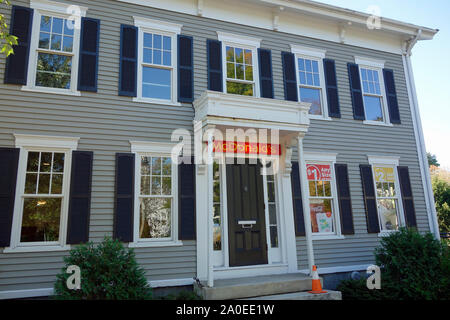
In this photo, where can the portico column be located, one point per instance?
(305, 199)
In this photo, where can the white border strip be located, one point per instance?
(171, 282)
(329, 270)
(27, 293)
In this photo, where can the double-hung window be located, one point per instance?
(157, 57)
(41, 205)
(387, 191)
(311, 80)
(373, 90)
(324, 208)
(156, 195)
(54, 51)
(240, 64)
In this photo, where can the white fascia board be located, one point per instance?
(59, 7)
(386, 160)
(369, 62)
(239, 39)
(152, 147)
(320, 156)
(28, 140)
(308, 51)
(157, 25)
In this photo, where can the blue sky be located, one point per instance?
(431, 64)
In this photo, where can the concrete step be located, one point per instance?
(303, 295)
(248, 287)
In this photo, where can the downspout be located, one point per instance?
(419, 137)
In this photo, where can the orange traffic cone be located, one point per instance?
(316, 285)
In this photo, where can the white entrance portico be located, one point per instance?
(255, 121)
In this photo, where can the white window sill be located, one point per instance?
(327, 237)
(150, 244)
(317, 117)
(377, 123)
(36, 249)
(51, 91)
(158, 102)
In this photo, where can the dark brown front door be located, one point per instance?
(246, 217)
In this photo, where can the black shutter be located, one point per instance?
(88, 68)
(265, 73)
(214, 49)
(186, 200)
(128, 61)
(185, 69)
(80, 197)
(370, 202)
(345, 202)
(332, 89)
(407, 196)
(9, 160)
(297, 200)
(124, 197)
(356, 92)
(289, 76)
(17, 63)
(391, 93)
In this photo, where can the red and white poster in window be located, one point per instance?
(321, 172)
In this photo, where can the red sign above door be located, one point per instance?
(246, 148)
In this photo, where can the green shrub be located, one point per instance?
(413, 267)
(109, 271)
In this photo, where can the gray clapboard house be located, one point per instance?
(100, 96)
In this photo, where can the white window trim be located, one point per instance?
(164, 28)
(28, 143)
(377, 65)
(244, 42)
(59, 10)
(158, 149)
(318, 55)
(327, 158)
(388, 161)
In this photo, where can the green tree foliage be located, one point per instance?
(109, 271)
(432, 160)
(413, 267)
(7, 41)
(441, 190)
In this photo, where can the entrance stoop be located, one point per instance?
(292, 286)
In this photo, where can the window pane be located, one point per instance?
(148, 40)
(156, 165)
(44, 40)
(157, 56)
(308, 66)
(217, 231)
(240, 71)
(58, 162)
(156, 83)
(309, 79)
(315, 66)
(388, 214)
(46, 161)
(167, 58)
(156, 185)
(273, 237)
(231, 70)
(145, 185)
(57, 25)
(167, 186)
(312, 188)
(316, 80)
(320, 188)
(239, 55)
(68, 44)
(327, 188)
(230, 54)
(301, 64)
(249, 73)
(312, 96)
(157, 41)
(56, 42)
(57, 181)
(69, 25)
(30, 183)
(147, 58)
(271, 192)
(46, 23)
(166, 166)
(40, 220)
(240, 88)
(167, 45)
(44, 183)
(272, 213)
(373, 108)
(155, 218)
(321, 215)
(53, 71)
(145, 165)
(33, 161)
(248, 57)
(302, 77)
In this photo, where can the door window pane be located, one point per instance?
(217, 217)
